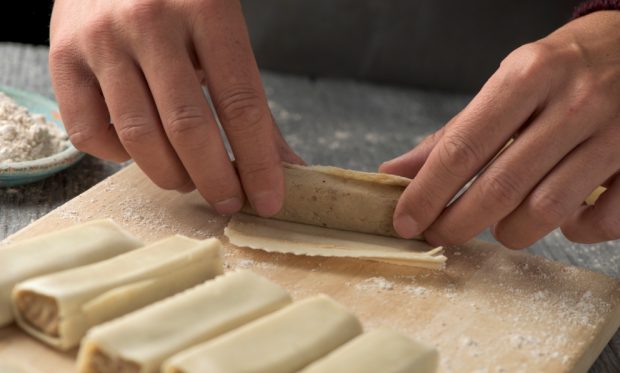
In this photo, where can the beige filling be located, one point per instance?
(39, 311)
(99, 362)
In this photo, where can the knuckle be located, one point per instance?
(96, 29)
(185, 125)
(502, 189)
(458, 155)
(589, 95)
(61, 54)
(528, 62)
(66, 68)
(135, 128)
(241, 109)
(97, 40)
(548, 208)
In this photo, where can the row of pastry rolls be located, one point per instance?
(242, 322)
(59, 308)
(123, 296)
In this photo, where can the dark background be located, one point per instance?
(442, 45)
(26, 21)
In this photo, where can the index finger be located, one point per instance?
(503, 105)
(185, 114)
(233, 79)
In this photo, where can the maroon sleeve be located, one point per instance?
(590, 6)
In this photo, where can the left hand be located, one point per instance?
(559, 98)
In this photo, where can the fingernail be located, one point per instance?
(406, 226)
(266, 203)
(228, 206)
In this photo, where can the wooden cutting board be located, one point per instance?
(491, 310)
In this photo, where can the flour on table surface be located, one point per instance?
(375, 283)
(131, 210)
(25, 136)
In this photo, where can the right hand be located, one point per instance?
(139, 64)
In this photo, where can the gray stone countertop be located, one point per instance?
(342, 123)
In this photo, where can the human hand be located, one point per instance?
(559, 98)
(140, 64)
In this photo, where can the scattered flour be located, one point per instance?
(246, 263)
(415, 290)
(375, 283)
(134, 210)
(25, 136)
(254, 264)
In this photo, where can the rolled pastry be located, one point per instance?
(284, 341)
(337, 198)
(59, 308)
(142, 340)
(67, 248)
(380, 350)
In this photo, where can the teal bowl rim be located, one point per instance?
(41, 166)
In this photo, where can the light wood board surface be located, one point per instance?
(491, 310)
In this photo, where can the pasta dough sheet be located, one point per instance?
(301, 239)
(282, 342)
(142, 340)
(59, 308)
(67, 248)
(380, 350)
(343, 199)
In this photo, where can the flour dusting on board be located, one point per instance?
(529, 335)
(375, 283)
(25, 136)
(135, 210)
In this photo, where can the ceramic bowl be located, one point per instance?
(18, 173)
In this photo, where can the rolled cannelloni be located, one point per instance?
(380, 350)
(281, 342)
(142, 340)
(52, 252)
(59, 308)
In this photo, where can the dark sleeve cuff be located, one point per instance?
(591, 6)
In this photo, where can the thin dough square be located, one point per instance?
(301, 239)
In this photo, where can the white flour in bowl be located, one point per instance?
(25, 136)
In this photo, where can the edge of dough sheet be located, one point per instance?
(301, 239)
(371, 177)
